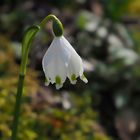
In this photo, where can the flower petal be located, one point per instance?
(58, 86)
(47, 82)
(55, 61)
(73, 79)
(57, 47)
(83, 78)
(75, 65)
(55, 68)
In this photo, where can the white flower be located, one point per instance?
(61, 61)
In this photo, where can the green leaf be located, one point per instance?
(27, 40)
(28, 37)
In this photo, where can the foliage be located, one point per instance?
(39, 119)
(114, 9)
(114, 52)
(134, 8)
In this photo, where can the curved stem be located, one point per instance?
(46, 19)
(57, 25)
(26, 43)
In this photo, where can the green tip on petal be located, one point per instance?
(84, 79)
(46, 82)
(58, 80)
(73, 79)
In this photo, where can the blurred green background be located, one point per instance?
(106, 34)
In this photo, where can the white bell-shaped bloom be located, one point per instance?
(61, 61)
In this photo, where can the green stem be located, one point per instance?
(47, 18)
(57, 25)
(26, 43)
(17, 107)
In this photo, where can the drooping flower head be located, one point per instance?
(61, 60)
